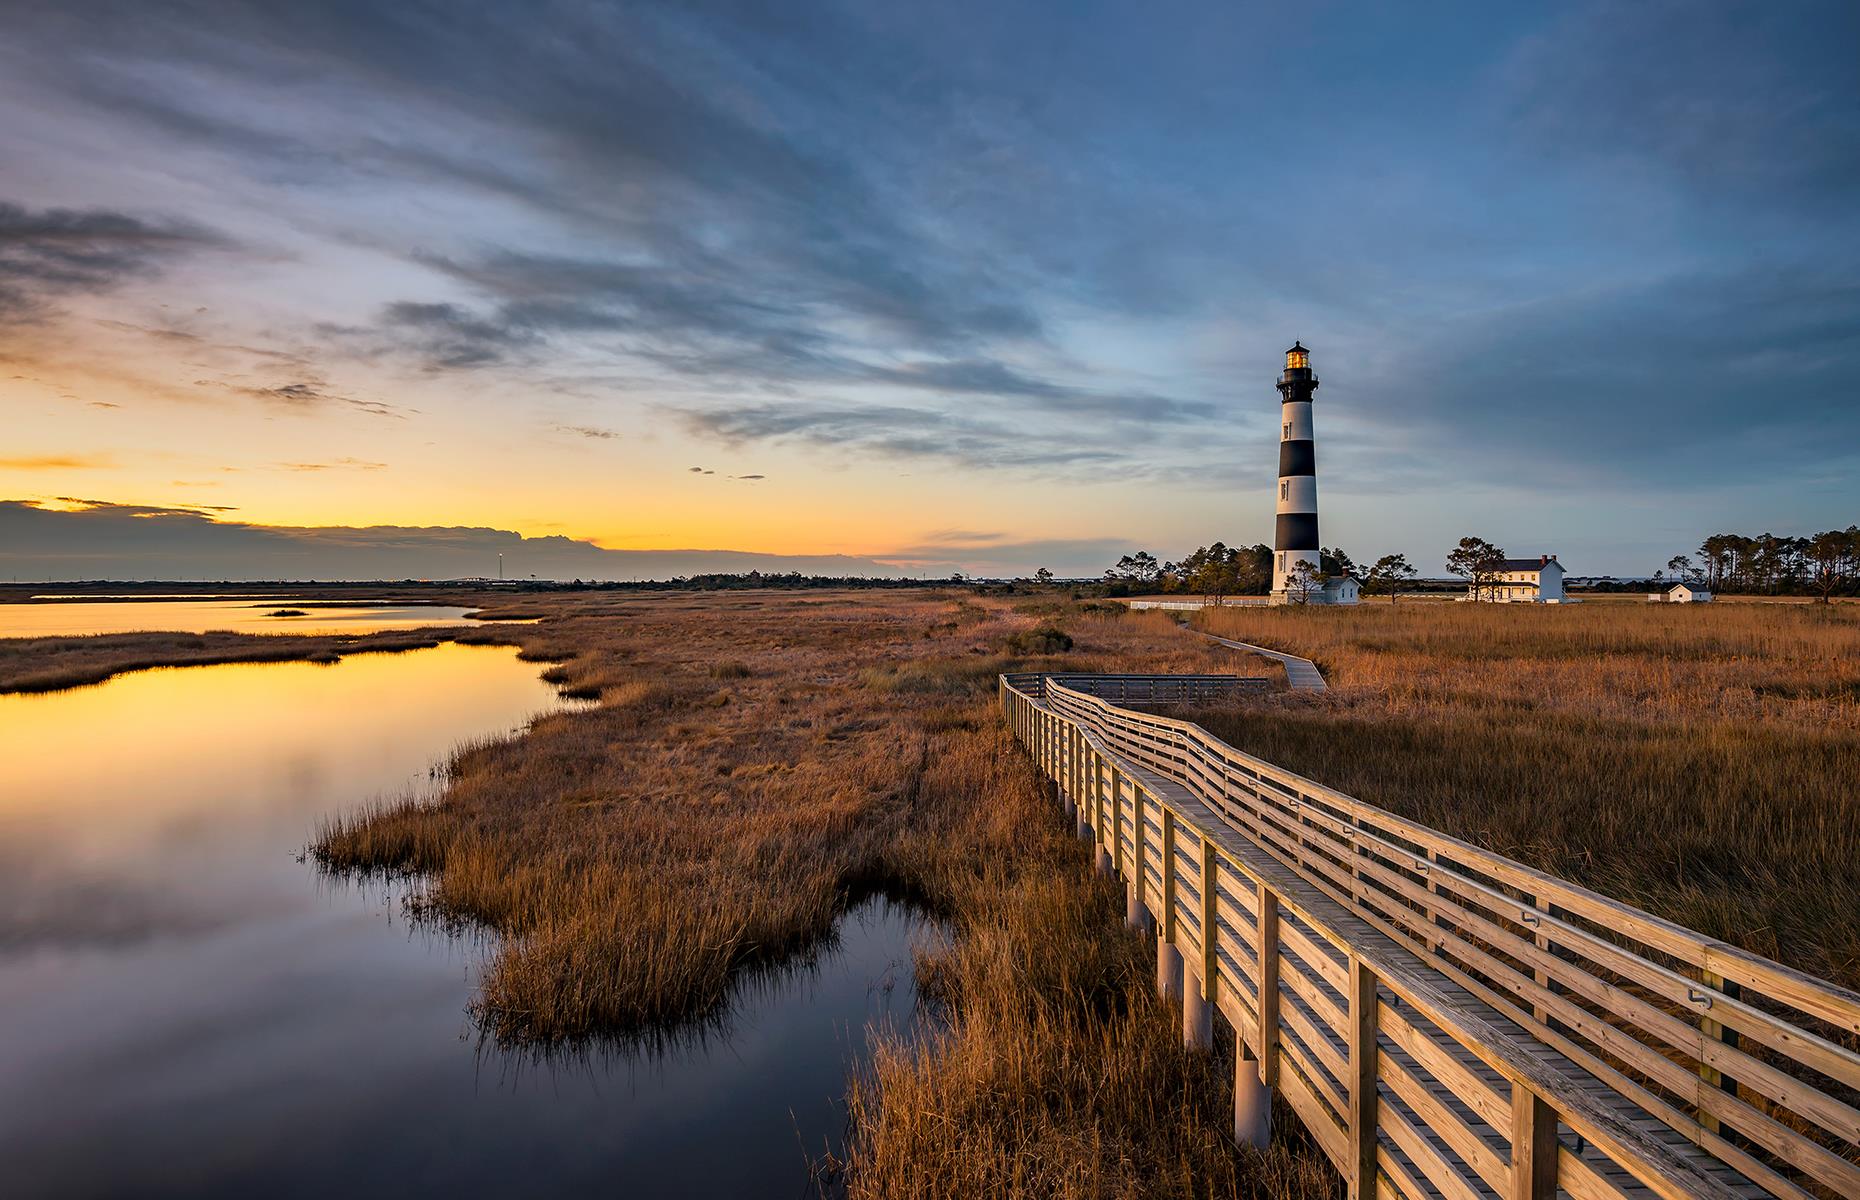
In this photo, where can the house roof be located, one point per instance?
(1686, 583)
(1522, 564)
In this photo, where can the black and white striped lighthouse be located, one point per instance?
(1295, 539)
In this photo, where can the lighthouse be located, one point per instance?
(1295, 538)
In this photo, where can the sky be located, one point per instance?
(926, 287)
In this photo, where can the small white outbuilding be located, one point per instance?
(1684, 593)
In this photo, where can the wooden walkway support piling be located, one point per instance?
(1447, 1022)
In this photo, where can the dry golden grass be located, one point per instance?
(1698, 761)
(1059, 1073)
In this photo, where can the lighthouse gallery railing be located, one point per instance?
(1529, 1036)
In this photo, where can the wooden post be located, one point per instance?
(1210, 920)
(1098, 813)
(1268, 949)
(1072, 758)
(1167, 870)
(1062, 752)
(1433, 917)
(1533, 1146)
(1543, 943)
(1117, 826)
(1715, 1031)
(1097, 793)
(1361, 1175)
(1356, 869)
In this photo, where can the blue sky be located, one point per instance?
(948, 286)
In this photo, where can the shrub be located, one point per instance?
(1043, 639)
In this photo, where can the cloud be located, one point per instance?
(340, 464)
(1738, 100)
(693, 313)
(983, 377)
(1753, 368)
(591, 432)
(97, 539)
(743, 240)
(53, 252)
(307, 396)
(448, 336)
(57, 462)
(900, 433)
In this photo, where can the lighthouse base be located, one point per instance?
(1333, 591)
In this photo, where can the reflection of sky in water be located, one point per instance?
(191, 1011)
(69, 618)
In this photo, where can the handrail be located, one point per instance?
(1737, 1073)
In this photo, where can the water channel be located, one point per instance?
(190, 1010)
(240, 614)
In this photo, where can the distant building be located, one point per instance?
(1683, 593)
(1526, 581)
(1342, 590)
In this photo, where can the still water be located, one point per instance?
(75, 618)
(190, 1011)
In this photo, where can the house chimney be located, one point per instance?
(1543, 560)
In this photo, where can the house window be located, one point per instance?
(1285, 489)
(1281, 562)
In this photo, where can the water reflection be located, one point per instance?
(75, 618)
(190, 1011)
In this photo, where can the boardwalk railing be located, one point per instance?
(1446, 1021)
(1167, 689)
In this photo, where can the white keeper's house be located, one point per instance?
(1527, 581)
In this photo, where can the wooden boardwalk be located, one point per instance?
(1445, 1021)
(1301, 673)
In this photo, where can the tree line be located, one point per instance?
(1219, 570)
(1824, 564)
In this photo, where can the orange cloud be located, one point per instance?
(57, 462)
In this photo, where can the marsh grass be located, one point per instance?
(1697, 761)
